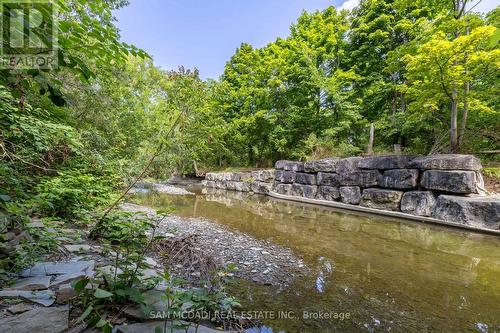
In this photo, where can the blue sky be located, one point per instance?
(205, 33)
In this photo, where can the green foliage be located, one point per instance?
(72, 193)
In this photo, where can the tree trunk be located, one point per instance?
(369, 149)
(465, 111)
(453, 121)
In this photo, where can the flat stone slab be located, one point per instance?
(385, 162)
(462, 182)
(32, 283)
(40, 320)
(420, 203)
(42, 297)
(446, 162)
(19, 308)
(325, 165)
(400, 178)
(381, 199)
(58, 268)
(77, 248)
(68, 278)
(350, 194)
(475, 211)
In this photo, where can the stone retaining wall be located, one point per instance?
(446, 187)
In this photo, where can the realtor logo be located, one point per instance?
(28, 34)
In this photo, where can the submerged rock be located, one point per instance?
(475, 211)
(420, 203)
(463, 182)
(381, 199)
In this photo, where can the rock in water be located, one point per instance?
(475, 211)
(40, 320)
(400, 178)
(463, 182)
(381, 199)
(350, 195)
(446, 162)
(420, 203)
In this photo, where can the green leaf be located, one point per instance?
(100, 293)
(85, 314)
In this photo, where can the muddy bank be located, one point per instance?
(256, 260)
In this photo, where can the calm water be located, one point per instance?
(388, 274)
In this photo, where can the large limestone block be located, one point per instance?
(297, 190)
(285, 189)
(242, 186)
(446, 162)
(348, 164)
(475, 211)
(260, 187)
(463, 182)
(289, 165)
(328, 179)
(210, 176)
(381, 199)
(400, 178)
(309, 191)
(325, 165)
(350, 195)
(305, 178)
(263, 175)
(329, 193)
(420, 203)
(363, 178)
(286, 177)
(385, 162)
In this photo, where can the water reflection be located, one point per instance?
(389, 274)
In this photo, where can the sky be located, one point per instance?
(205, 33)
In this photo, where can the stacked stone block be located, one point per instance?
(442, 186)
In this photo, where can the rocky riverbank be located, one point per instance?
(256, 260)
